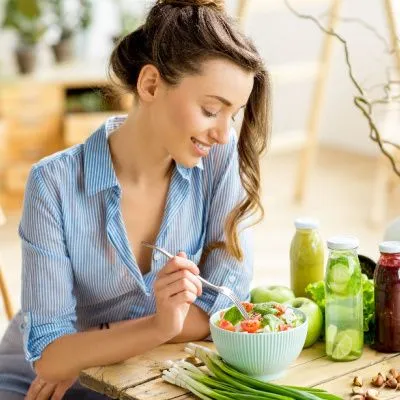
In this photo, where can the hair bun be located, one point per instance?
(217, 4)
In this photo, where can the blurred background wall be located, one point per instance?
(351, 188)
(282, 38)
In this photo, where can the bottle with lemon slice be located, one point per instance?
(344, 334)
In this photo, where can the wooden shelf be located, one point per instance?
(35, 121)
(75, 74)
(78, 126)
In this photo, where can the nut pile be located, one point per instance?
(391, 380)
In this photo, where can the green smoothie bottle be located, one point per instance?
(344, 334)
(306, 255)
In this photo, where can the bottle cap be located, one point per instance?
(390, 247)
(306, 223)
(343, 242)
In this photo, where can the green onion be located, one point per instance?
(245, 396)
(316, 390)
(220, 381)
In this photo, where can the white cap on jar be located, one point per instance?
(343, 242)
(390, 247)
(306, 223)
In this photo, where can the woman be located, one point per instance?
(171, 172)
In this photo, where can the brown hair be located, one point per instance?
(177, 36)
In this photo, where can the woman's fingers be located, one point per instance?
(180, 286)
(61, 389)
(179, 262)
(166, 281)
(46, 391)
(184, 297)
(35, 388)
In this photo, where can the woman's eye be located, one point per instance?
(208, 113)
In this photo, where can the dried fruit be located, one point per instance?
(357, 381)
(392, 383)
(378, 380)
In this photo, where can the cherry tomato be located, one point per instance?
(224, 324)
(251, 325)
(248, 306)
(280, 308)
(283, 327)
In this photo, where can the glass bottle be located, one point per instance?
(306, 255)
(387, 298)
(344, 333)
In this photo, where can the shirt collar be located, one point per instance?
(98, 166)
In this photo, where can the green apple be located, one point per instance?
(262, 294)
(314, 317)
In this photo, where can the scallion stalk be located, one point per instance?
(223, 382)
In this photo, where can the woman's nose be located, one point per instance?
(220, 133)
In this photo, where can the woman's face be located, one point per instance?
(198, 112)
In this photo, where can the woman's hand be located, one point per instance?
(175, 288)
(42, 390)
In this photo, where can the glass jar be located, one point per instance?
(387, 298)
(344, 333)
(306, 255)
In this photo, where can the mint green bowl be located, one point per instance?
(264, 356)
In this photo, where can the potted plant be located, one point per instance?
(69, 21)
(26, 18)
(130, 19)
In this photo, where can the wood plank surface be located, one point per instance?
(342, 386)
(139, 378)
(112, 380)
(321, 370)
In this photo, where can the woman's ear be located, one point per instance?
(148, 83)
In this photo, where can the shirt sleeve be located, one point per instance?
(48, 303)
(220, 268)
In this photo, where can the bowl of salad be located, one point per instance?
(263, 346)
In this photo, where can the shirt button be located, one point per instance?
(231, 279)
(156, 256)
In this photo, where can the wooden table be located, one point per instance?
(139, 378)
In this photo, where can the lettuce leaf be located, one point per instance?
(272, 321)
(265, 308)
(316, 290)
(233, 315)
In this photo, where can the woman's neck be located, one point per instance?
(137, 155)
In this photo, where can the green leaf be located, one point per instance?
(272, 321)
(316, 291)
(233, 315)
(265, 308)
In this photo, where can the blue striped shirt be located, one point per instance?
(78, 268)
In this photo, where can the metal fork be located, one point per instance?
(220, 289)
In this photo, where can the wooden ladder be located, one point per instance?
(309, 144)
